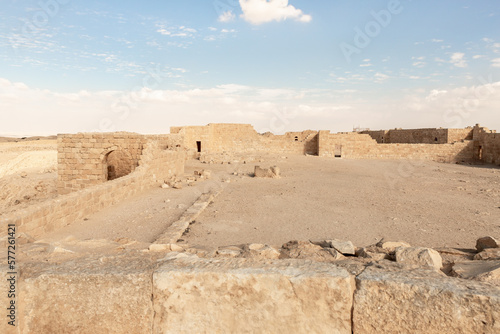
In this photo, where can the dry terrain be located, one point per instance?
(423, 203)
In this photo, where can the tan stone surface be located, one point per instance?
(241, 296)
(392, 299)
(487, 242)
(95, 296)
(419, 256)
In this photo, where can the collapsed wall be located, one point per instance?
(155, 164)
(420, 136)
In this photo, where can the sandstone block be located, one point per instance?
(419, 256)
(397, 300)
(243, 296)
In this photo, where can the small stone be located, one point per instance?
(176, 248)
(419, 256)
(159, 248)
(488, 254)
(24, 174)
(227, 252)
(165, 186)
(392, 245)
(364, 253)
(177, 185)
(344, 247)
(486, 242)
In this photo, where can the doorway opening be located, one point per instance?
(118, 163)
(338, 151)
(198, 146)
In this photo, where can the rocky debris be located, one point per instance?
(24, 175)
(391, 246)
(177, 185)
(231, 252)
(488, 254)
(165, 248)
(202, 174)
(307, 250)
(370, 254)
(344, 247)
(478, 270)
(271, 172)
(24, 238)
(419, 256)
(260, 251)
(486, 242)
(165, 186)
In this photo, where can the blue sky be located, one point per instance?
(143, 66)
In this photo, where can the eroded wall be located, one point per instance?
(420, 136)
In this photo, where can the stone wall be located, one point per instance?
(486, 145)
(191, 295)
(155, 165)
(420, 136)
(352, 145)
(242, 138)
(87, 159)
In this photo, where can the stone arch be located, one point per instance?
(116, 162)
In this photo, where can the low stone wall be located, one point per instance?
(155, 166)
(192, 295)
(361, 146)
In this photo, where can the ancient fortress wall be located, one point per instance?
(420, 136)
(353, 145)
(154, 165)
(486, 145)
(242, 138)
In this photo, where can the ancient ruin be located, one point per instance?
(166, 285)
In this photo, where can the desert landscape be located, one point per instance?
(195, 204)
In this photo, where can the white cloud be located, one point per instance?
(434, 40)
(457, 59)
(227, 16)
(495, 62)
(381, 77)
(477, 56)
(262, 11)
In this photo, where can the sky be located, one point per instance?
(142, 66)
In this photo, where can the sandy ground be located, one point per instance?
(423, 203)
(28, 173)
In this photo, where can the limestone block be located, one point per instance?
(419, 256)
(108, 296)
(244, 296)
(396, 300)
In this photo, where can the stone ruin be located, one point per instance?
(327, 286)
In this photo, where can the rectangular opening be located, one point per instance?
(198, 146)
(338, 151)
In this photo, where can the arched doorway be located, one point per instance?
(117, 163)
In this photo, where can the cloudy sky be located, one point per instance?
(143, 66)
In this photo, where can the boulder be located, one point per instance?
(419, 256)
(272, 172)
(486, 242)
(488, 254)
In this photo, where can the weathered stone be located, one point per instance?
(488, 254)
(24, 238)
(486, 242)
(243, 296)
(392, 299)
(392, 245)
(165, 186)
(228, 252)
(419, 256)
(272, 172)
(177, 185)
(364, 253)
(260, 251)
(307, 250)
(344, 247)
(90, 297)
(474, 269)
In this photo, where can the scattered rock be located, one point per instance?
(231, 252)
(165, 186)
(344, 247)
(419, 256)
(307, 250)
(488, 254)
(486, 242)
(260, 251)
(24, 238)
(272, 172)
(376, 256)
(477, 270)
(392, 245)
(24, 174)
(177, 185)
